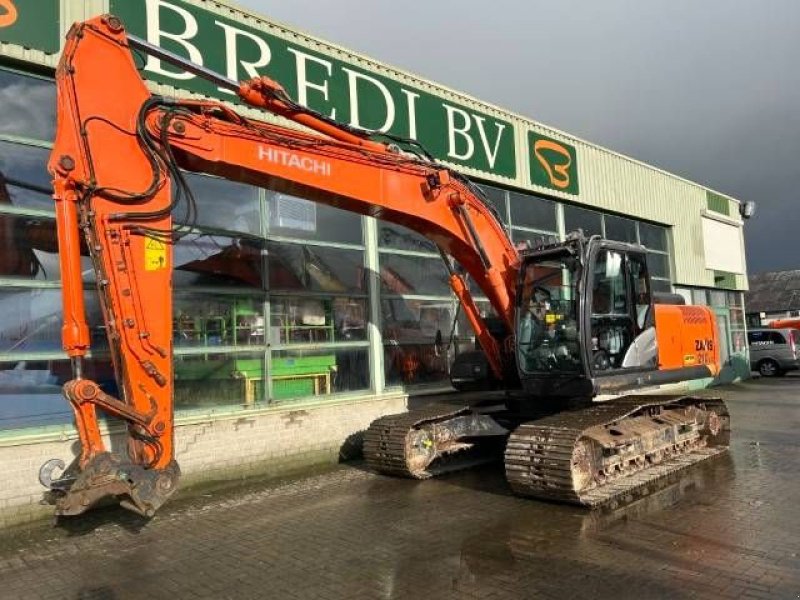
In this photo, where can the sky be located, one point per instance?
(709, 90)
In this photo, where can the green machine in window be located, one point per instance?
(230, 377)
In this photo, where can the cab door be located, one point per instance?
(621, 331)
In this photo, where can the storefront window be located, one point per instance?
(29, 106)
(301, 373)
(402, 238)
(223, 204)
(534, 238)
(589, 221)
(496, 198)
(314, 320)
(653, 237)
(217, 320)
(401, 274)
(24, 177)
(216, 260)
(212, 380)
(620, 229)
(290, 216)
(533, 212)
(31, 391)
(297, 267)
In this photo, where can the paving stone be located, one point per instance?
(725, 529)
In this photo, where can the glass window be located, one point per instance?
(658, 265)
(209, 260)
(718, 298)
(534, 238)
(416, 321)
(699, 297)
(211, 380)
(581, 218)
(303, 373)
(416, 364)
(653, 237)
(30, 391)
(29, 106)
(496, 198)
(402, 238)
(662, 286)
(223, 204)
(332, 270)
(619, 229)
(401, 274)
(32, 320)
(28, 248)
(318, 320)
(217, 320)
(290, 216)
(23, 170)
(532, 211)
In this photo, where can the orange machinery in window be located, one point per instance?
(117, 166)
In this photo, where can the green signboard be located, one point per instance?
(348, 93)
(31, 23)
(553, 164)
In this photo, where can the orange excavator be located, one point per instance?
(576, 319)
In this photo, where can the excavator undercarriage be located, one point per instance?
(591, 456)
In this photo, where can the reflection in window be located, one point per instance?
(210, 380)
(223, 204)
(496, 198)
(24, 176)
(28, 248)
(29, 106)
(299, 373)
(532, 211)
(333, 270)
(217, 320)
(416, 335)
(32, 320)
(653, 237)
(30, 391)
(619, 229)
(208, 260)
(658, 265)
(318, 320)
(402, 274)
(290, 216)
(416, 364)
(402, 238)
(580, 218)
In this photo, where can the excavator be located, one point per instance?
(576, 320)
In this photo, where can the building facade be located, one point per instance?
(296, 324)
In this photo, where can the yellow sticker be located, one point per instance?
(155, 255)
(689, 359)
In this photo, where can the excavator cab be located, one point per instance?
(584, 318)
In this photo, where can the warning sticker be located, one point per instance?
(155, 255)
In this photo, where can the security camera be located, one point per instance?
(747, 209)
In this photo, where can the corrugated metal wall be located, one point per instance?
(608, 181)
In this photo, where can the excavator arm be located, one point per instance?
(116, 167)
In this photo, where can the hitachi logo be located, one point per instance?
(290, 159)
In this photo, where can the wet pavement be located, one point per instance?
(727, 529)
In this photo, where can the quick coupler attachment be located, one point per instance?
(105, 476)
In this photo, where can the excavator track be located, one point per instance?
(419, 444)
(614, 450)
